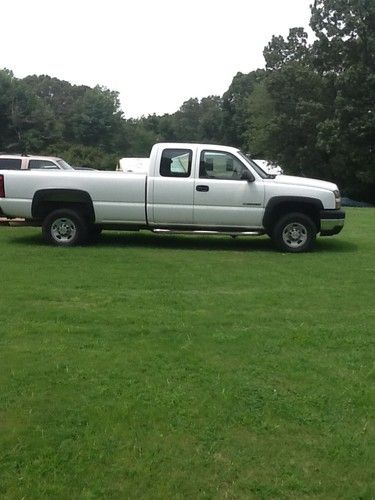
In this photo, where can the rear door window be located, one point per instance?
(176, 163)
(10, 164)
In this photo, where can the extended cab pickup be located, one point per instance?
(189, 188)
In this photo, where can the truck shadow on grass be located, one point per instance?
(125, 240)
(215, 243)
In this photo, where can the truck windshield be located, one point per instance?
(64, 165)
(255, 166)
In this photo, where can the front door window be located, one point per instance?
(220, 165)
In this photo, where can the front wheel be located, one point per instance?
(295, 232)
(64, 228)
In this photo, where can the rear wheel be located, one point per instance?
(65, 228)
(295, 232)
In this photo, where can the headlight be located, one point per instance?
(337, 199)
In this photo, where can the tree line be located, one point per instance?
(311, 110)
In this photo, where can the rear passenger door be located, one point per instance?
(172, 189)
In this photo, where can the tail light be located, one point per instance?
(2, 187)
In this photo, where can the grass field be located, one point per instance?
(180, 367)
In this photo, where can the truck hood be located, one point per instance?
(304, 181)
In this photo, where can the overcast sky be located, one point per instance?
(156, 53)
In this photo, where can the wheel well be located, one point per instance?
(277, 210)
(47, 200)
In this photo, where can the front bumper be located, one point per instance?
(331, 222)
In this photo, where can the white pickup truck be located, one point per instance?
(189, 188)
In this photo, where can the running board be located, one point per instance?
(207, 232)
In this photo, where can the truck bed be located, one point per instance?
(116, 197)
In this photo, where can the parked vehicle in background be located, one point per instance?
(188, 188)
(25, 162)
(269, 167)
(133, 165)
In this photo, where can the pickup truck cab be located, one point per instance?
(189, 188)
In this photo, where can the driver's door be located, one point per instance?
(222, 198)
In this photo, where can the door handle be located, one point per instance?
(202, 188)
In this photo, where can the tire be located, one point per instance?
(295, 233)
(64, 228)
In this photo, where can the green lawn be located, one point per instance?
(187, 367)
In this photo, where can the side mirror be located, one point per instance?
(247, 176)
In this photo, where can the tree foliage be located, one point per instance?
(323, 122)
(44, 115)
(344, 56)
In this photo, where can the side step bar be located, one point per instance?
(4, 221)
(204, 232)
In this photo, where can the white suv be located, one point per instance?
(25, 162)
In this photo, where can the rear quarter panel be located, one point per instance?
(116, 197)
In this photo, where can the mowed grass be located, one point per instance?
(187, 367)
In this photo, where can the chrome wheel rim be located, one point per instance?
(295, 235)
(63, 230)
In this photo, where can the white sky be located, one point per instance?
(157, 54)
